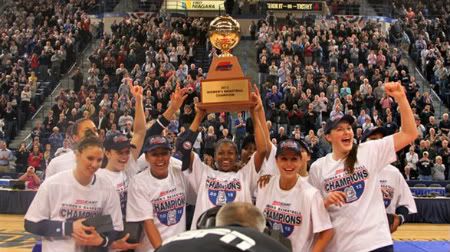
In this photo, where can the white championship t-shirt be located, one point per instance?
(62, 198)
(298, 213)
(269, 166)
(361, 224)
(60, 163)
(120, 180)
(161, 200)
(395, 190)
(216, 188)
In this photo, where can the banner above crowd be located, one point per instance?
(196, 5)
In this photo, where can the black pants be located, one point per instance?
(389, 248)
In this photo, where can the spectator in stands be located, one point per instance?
(209, 141)
(444, 124)
(424, 166)
(239, 124)
(438, 170)
(21, 158)
(6, 156)
(35, 157)
(32, 181)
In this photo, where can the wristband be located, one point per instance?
(105, 241)
(163, 121)
(184, 146)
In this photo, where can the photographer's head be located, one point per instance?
(242, 214)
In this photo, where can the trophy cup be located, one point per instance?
(225, 88)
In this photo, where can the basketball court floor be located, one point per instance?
(408, 238)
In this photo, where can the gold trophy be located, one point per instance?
(225, 88)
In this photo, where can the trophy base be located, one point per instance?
(225, 106)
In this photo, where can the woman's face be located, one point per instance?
(247, 152)
(89, 160)
(226, 157)
(118, 158)
(209, 160)
(289, 164)
(159, 161)
(341, 138)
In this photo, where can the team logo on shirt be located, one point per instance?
(169, 207)
(222, 192)
(282, 218)
(80, 208)
(351, 184)
(388, 193)
(121, 188)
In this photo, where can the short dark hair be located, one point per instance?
(225, 141)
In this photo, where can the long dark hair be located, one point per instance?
(351, 159)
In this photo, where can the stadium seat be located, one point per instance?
(435, 185)
(420, 185)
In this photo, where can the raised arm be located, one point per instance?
(262, 119)
(176, 100)
(139, 129)
(259, 129)
(408, 131)
(186, 141)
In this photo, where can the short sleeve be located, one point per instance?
(198, 168)
(270, 166)
(313, 176)
(51, 169)
(380, 153)
(405, 196)
(142, 163)
(249, 173)
(319, 215)
(132, 167)
(40, 206)
(139, 206)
